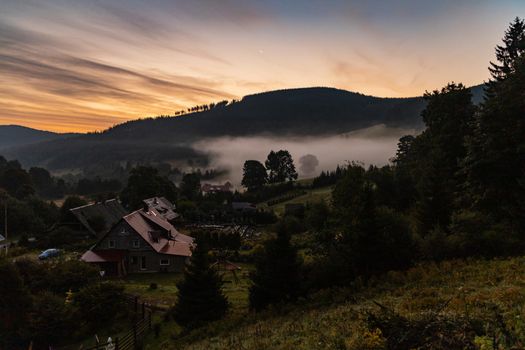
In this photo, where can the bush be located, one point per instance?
(100, 304)
(71, 275)
(49, 321)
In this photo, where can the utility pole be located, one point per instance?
(5, 219)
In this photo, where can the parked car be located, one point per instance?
(49, 253)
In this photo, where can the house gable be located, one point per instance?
(123, 236)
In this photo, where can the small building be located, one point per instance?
(212, 189)
(243, 207)
(142, 241)
(163, 206)
(109, 212)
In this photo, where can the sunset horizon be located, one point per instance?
(85, 66)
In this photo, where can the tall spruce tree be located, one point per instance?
(200, 298)
(276, 278)
(438, 153)
(495, 161)
(508, 54)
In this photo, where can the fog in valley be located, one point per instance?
(374, 145)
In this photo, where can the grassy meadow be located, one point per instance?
(490, 293)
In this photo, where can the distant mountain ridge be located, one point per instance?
(16, 135)
(293, 112)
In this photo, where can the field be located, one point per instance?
(311, 196)
(164, 294)
(488, 290)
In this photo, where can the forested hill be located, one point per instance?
(15, 135)
(311, 111)
(300, 112)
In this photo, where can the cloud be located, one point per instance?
(96, 93)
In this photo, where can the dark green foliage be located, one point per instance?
(280, 167)
(254, 175)
(495, 163)
(99, 304)
(190, 187)
(291, 224)
(277, 275)
(16, 181)
(14, 304)
(200, 298)
(145, 182)
(29, 217)
(70, 203)
(509, 53)
(328, 178)
(97, 185)
(430, 331)
(316, 215)
(71, 275)
(50, 321)
(35, 275)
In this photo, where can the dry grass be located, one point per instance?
(335, 319)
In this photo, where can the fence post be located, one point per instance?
(143, 309)
(135, 336)
(116, 343)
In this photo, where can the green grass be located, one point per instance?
(165, 295)
(333, 319)
(312, 196)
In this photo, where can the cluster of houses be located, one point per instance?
(144, 240)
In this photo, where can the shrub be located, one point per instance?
(100, 304)
(71, 275)
(50, 321)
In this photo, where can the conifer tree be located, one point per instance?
(276, 278)
(495, 161)
(200, 298)
(507, 54)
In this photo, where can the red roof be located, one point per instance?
(144, 223)
(109, 255)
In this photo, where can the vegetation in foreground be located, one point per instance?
(457, 304)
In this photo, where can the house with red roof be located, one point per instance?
(142, 241)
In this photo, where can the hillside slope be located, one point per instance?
(298, 112)
(490, 295)
(16, 136)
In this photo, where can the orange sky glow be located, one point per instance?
(87, 65)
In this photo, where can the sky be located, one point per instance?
(87, 65)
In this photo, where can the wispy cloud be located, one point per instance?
(85, 65)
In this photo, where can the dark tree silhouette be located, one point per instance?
(254, 175)
(190, 186)
(200, 298)
(280, 167)
(145, 182)
(495, 163)
(276, 278)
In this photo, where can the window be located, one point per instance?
(136, 243)
(134, 260)
(112, 243)
(165, 262)
(143, 263)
